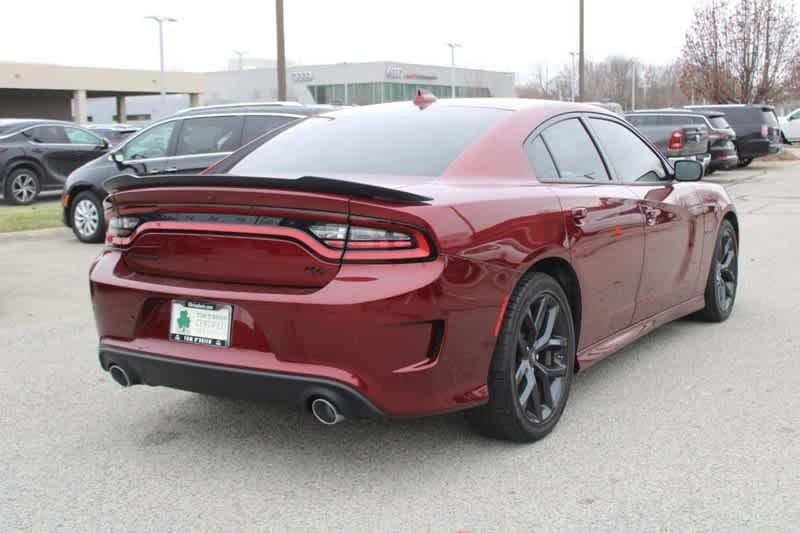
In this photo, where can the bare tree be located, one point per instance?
(741, 51)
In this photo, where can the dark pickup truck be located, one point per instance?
(675, 137)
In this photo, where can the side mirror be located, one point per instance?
(118, 157)
(688, 170)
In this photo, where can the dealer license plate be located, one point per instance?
(201, 323)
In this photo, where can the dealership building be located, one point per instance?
(355, 83)
(103, 95)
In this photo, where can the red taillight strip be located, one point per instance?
(422, 250)
(264, 231)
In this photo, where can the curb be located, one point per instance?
(34, 234)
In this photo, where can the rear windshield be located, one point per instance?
(394, 139)
(719, 122)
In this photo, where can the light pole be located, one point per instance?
(161, 21)
(572, 77)
(281, 55)
(633, 86)
(453, 47)
(581, 56)
(241, 55)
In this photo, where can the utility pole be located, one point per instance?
(581, 56)
(161, 87)
(572, 77)
(241, 55)
(633, 86)
(281, 51)
(453, 47)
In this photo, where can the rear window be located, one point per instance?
(719, 122)
(394, 139)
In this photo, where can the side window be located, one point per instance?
(48, 134)
(78, 136)
(151, 144)
(541, 161)
(257, 125)
(574, 153)
(209, 135)
(633, 160)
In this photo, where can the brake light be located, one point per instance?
(362, 243)
(119, 227)
(676, 140)
(765, 131)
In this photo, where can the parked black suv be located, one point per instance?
(720, 134)
(38, 155)
(186, 142)
(757, 130)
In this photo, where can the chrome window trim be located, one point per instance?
(170, 158)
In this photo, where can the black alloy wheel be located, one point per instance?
(723, 276)
(533, 364)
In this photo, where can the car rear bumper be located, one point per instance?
(218, 380)
(413, 339)
(724, 162)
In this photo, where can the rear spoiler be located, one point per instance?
(125, 182)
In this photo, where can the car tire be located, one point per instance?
(723, 275)
(86, 217)
(745, 162)
(710, 171)
(22, 186)
(528, 387)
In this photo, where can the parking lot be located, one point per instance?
(695, 427)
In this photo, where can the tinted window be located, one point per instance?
(574, 153)
(540, 159)
(257, 125)
(719, 123)
(152, 143)
(48, 134)
(209, 135)
(632, 159)
(78, 136)
(391, 139)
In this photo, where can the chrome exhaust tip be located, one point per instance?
(326, 412)
(119, 375)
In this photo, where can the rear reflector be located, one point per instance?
(764, 131)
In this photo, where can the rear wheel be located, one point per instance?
(532, 365)
(723, 276)
(745, 162)
(86, 217)
(22, 187)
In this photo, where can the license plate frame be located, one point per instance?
(201, 323)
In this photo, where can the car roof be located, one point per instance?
(763, 107)
(7, 122)
(294, 108)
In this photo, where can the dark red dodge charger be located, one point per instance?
(410, 259)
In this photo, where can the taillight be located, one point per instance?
(120, 227)
(383, 242)
(765, 131)
(676, 140)
(362, 243)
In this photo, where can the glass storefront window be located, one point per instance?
(379, 92)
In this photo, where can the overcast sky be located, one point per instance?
(511, 35)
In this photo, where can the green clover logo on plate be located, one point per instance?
(184, 321)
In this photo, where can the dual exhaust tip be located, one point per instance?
(323, 410)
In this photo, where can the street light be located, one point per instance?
(161, 21)
(453, 47)
(572, 76)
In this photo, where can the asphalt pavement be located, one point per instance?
(695, 427)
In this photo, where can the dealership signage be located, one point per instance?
(396, 73)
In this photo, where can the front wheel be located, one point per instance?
(22, 187)
(745, 162)
(721, 286)
(532, 365)
(86, 217)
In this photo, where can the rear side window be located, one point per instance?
(150, 144)
(769, 118)
(719, 122)
(632, 159)
(574, 153)
(392, 139)
(209, 135)
(77, 136)
(257, 125)
(48, 134)
(541, 161)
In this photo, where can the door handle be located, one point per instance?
(651, 215)
(170, 170)
(579, 213)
